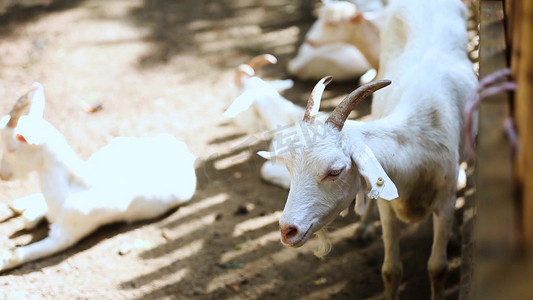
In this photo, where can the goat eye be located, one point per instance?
(335, 173)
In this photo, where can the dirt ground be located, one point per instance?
(166, 66)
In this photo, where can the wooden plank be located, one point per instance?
(496, 226)
(495, 222)
(523, 72)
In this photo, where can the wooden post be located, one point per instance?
(522, 66)
(496, 222)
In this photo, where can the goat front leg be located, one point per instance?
(391, 270)
(438, 260)
(59, 239)
(365, 230)
(33, 209)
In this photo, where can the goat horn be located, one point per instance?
(261, 60)
(341, 112)
(22, 103)
(313, 104)
(242, 71)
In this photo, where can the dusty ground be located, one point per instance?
(165, 66)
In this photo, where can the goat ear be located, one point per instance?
(266, 155)
(26, 131)
(37, 101)
(281, 85)
(270, 156)
(373, 173)
(240, 104)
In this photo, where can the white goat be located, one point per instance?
(130, 179)
(258, 106)
(265, 109)
(408, 156)
(343, 22)
(335, 55)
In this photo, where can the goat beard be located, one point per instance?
(324, 244)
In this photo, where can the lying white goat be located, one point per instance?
(344, 22)
(337, 56)
(408, 157)
(258, 107)
(130, 179)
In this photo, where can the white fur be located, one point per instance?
(343, 41)
(259, 107)
(341, 60)
(129, 179)
(335, 55)
(414, 143)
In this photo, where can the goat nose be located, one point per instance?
(288, 231)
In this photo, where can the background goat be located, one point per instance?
(130, 179)
(328, 48)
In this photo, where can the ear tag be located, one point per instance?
(377, 188)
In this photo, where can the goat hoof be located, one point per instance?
(5, 212)
(8, 259)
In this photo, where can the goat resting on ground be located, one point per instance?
(130, 179)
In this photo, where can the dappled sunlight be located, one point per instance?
(194, 208)
(164, 66)
(279, 258)
(223, 29)
(327, 291)
(187, 250)
(250, 246)
(174, 276)
(234, 159)
(256, 223)
(182, 230)
(253, 268)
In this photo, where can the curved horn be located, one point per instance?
(313, 104)
(22, 103)
(242, 71)
(341, 112)
(261, 60)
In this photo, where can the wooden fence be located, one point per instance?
(501, 265)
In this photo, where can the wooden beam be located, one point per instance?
(496, 222)
(523, 73)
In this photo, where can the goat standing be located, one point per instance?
(408, 157)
